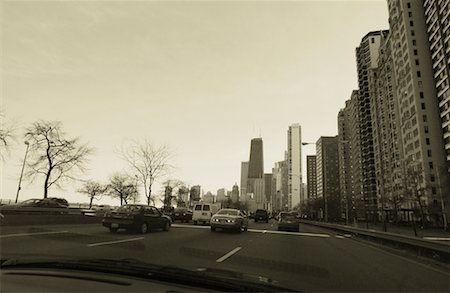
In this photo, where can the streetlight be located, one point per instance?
(23, 167)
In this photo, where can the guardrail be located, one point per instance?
(423, 247)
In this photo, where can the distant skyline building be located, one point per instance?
(267, 189)
(195, 193)
(235, 193)
(295, 165)
(221, 195)
(244, 176)
(311, 177)
(255, 178)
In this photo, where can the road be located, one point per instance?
(312, 260)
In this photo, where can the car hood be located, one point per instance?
(202, 277)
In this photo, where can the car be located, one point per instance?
(42, 203)
(229, 219)
(288, 221)
(61, 201)
(261, 215)
(136, 217)
(203, 212)
(182, 214)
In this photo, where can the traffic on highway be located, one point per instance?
(242, 253)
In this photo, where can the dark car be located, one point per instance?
(59, 200)
(42, 203)
(288, 221)
(261, 215)
(135, 217)
(181, 214)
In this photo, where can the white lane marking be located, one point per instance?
(32, 234)
(114, 242)
(260, 231)
(221, 259)
(437, 238)
(190, 226)
(339, 236)
(348, 235)
(290, 233)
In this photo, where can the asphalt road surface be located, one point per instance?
(312, 260)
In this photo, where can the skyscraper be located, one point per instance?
(294, 165)
(255, 178)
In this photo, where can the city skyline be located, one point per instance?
(107, 89)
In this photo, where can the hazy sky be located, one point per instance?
(204, 77)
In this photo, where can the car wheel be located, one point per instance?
(240, 229)
(267, 221)
(143, 228)
(195, 222)
(245, 228)
(256, 221)
(213, 229)
(113, 230)
(166, 226)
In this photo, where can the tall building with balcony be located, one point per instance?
(366, 59)
(345, 175)
(311, 177)
(416, 92)
(295, 165)
(327, 164)
(244, 176)
(437, 18)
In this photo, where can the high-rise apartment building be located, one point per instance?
(311, 177)
(345, 175)
(195, 193)
(295, 165)
(327, 164)
(366, 59)
(416, 92)
(437, 17)
(235, 193)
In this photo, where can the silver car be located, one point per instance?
(229, 219)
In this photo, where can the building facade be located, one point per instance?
(295, 195)
(311, 177)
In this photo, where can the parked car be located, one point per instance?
(288, 221)
(182, 214)
(261, 215)
(203, 212)
(140, 218)
(229, 219)
(61, 201)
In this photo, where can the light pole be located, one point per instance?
(23, 167)
(444, 215)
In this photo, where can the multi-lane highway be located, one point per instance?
(312, 260)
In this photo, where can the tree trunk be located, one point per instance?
(90, 202)
(47, 178)
(149, 196)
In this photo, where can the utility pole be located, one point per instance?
(21, 173)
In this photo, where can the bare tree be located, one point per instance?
(7, 136)
(150, 161)
(171, 186)
(417, 187)
(53, 155)
(94, 190)
(122, 186)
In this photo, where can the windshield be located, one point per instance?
(228, 212)
(129, 209)
(301, 143)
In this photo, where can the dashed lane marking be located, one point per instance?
(223, 258)
(339, 236)
(32, 234)
(114, 242)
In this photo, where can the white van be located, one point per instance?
(203, 212)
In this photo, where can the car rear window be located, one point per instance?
(198, 207)
(206, 207)
(261, 212)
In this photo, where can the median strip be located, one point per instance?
(32, 234)
(437, 238)
(228, 254)
(114, 242)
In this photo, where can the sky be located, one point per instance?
(202, 77)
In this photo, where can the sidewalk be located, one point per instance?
(434, 233)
